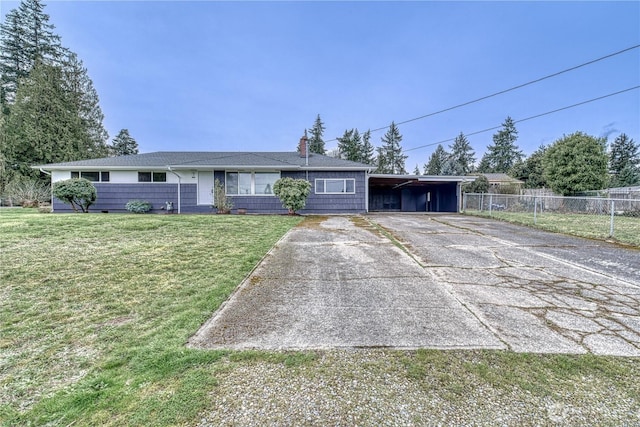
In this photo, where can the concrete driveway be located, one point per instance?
(442, 281)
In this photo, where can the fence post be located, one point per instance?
(490, 203)
(535, 211)
(613, 205)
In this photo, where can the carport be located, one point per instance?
(415, 193)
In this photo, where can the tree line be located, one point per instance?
(49, 109)
(574, 163)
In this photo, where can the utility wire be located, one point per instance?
(464, 104)
(528, 118)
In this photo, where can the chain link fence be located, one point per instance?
(593, 217)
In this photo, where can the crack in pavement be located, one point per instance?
(567, 298)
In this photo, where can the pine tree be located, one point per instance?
(43, 126)
(504, 153)
(461, 159)
(390, 157)
(349, 145)
(85, 101)
(13, 60)
(416, 170)
(123, 144)
(531, 170)
(624, 161)
(26, 37)
(484, 166)
(436, 161)
(367, 149)
(316, 143)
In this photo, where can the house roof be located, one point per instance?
(501, 178)
(207, 159)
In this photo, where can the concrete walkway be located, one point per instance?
(418, 281)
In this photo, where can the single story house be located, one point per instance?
(502, 180)
(182, 182)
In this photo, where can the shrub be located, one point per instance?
(220, 200)
(292, 193)
(29, 193)
(480, 185)
(138, 206)
(78, 192)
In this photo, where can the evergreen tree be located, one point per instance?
(316, 143)
(43, 126)
(504, 153)
(531, 170)
(123, 144)
(85, 101)
(436, 161)
(13, 60)
(416, 171)
(52, 120)
(349, 145)
(484, 165)
(576, 163)
(367, 150)
(624, 156)
(26, 37)
(390, 157)
(461, 159)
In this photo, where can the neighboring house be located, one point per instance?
(502, 180)
(182, 182)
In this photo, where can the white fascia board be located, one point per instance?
(337, 169)
(443, 178)
(234, 167)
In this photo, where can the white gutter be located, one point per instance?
(179, 185)
(49, 173)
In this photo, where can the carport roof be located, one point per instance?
(434, 179)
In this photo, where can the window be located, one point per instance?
(251, 183)
(159, 177)
(152, 177)
(91, 176)
(336, 186)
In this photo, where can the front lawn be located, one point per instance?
(96, 310)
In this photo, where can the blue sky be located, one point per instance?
(227, 76)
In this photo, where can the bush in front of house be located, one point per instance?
(138, 206)
(220, 200)
(29, 193)
(480, 185)
(292, 193)
(78, 192)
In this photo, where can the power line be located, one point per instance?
(464, 104)
(529, 118)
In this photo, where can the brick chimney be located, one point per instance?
(302, 147)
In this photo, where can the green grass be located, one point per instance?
(96, 309)
(626, 229)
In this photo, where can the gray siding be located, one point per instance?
(113, 197)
